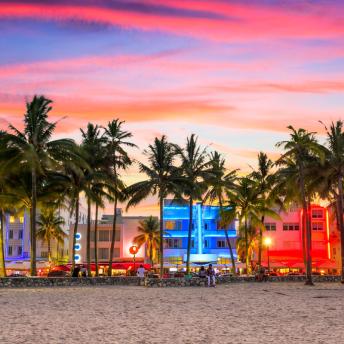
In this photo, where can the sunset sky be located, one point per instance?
(236, 73)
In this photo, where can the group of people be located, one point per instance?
(208, 273)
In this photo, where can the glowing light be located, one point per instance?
(133, 249)
(267, 241)
(78, 236)
(77, 258)
(77, 247)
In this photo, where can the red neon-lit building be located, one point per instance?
(282, 242)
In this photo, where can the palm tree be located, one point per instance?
(265, 179)
(162, 181)
(116, 141)
(195, 170)
(50, 228)
(93, 144)
(335, 173)
(302, 147)
(33, 150)
(219, 183)
(149, 236)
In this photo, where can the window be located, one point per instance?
(44, 254)
(12, 219)
(19, 250)
(192, 243)
(104, 235)
(220, 243)
(118, 235)
(116, 252)
(9, 250)
(21, 219)
(317, 214)
(10, 234)
(206, 243)
(271, 227)
(20, 234)
(291, 226)
(317, 226)
(103, 253)
(174, 260)
(222, 260)
(173, 243)
(173, 225)
(218, 225)
(205, 226)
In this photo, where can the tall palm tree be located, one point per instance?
(33, 150)
(116, 142)
(149, 235)
(301, 147)
(162, 181)
(195, 170)
(93, 144)
(265, 180)
(50, 228)
(335, 171)
(219, 183)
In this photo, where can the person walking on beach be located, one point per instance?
(141, 271)
(211, 276)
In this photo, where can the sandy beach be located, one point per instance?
(236, 313)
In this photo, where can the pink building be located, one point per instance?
(282, 241)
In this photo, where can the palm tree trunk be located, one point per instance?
(33, 269)
(151, 254)
(189, 236)
(230, 252)
(57, 250)
(96, 240)
(308, 230)
(2, 252)
(228, 241)
(341, 224)
(49, 253)
(161, 250)
(246, 247)
(88, 243)
(113, 238)
(75, 230)
(260, 243)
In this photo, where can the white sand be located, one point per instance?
(237, 313)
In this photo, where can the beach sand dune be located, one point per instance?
(238, 313)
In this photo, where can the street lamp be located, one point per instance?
(267, 243)
(133, 250)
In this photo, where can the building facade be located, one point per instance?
(17, 243)
(126, 231)
(208, 240)
(284, 250)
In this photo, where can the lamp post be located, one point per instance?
(267, 242)
(133, 250)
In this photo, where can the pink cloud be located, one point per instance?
(242, 22)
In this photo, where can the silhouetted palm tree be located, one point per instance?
(334, 169)
(219, 184)
(195, 170)
(161, 181)
(50, 228)
(149, 235)
(301, 148)
(116, 142)
(32, 150)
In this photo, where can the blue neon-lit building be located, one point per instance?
(208, 244)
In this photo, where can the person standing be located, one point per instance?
(141, 271)
(211, 276)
